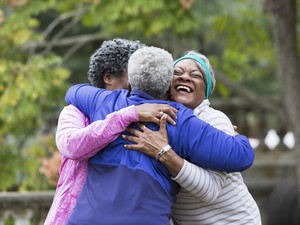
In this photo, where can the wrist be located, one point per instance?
(165, 149)
(129, 114)
(172, 162)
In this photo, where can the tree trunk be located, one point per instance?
(283, 19)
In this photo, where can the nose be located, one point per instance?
(185, 76)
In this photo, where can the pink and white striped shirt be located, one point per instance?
(74, 130)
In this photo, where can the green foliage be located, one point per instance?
(33, 179)
(9, 221)
(245, 51)
(8, 158)
(134, 16)
(31, 87)
(234, 34)
(31, 91)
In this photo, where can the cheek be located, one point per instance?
(124, 85)
(121, 83)
(172, 90)
(200, 89)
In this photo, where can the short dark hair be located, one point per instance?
(112, 57)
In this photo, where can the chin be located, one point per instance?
(180, 100)
(183, 102)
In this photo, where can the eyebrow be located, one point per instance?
(191, 71)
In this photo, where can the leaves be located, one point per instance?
(26, 89)
(36, 36)
(245, 49)
(148, 17)
(31, 87)
(30, 92)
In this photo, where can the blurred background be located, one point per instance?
(252, 44)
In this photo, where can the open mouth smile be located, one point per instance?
(183, 89)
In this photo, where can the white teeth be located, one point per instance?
(184, 88)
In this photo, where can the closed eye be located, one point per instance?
(177, 72)
(198, 76)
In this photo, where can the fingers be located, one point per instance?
(169, 120)
(165, 108)
(173, 109)
(163, 122)
(134, 131)
(142, 126)
(130, 138)
(132, 147)
(172, 114)
(168, 110)
(235, 129)
(152, 112)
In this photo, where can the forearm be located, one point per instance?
(78, 142)
(201, 183)
(218, 151)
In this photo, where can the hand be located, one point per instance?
(235, 130)
(152, 112)
(148, 141)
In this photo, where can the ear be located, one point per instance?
(129, 87)
(107, 79)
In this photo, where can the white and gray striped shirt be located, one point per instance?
(212, 197)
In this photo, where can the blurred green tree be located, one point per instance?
(46, 44)
(33, 76)
(31, 87)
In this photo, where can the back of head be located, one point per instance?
(150, 69)
(112, 57)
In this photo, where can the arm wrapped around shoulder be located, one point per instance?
(213, 149)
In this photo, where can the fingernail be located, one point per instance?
(125, 146)
(123, 136)
(174, 123)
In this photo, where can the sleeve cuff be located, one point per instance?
(182, 173)
(131, 114)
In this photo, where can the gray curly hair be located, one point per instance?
(211, 71)
(150, 69)
(112, 57)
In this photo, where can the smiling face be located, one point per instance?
(188, 86)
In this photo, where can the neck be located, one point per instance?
(108, 87)
(165, 97)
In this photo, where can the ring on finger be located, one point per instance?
(161, 113)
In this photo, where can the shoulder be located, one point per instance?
(87, 88)
(183, 112)
(217, 119)
(80, 90)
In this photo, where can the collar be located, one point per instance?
(200, 108)
(141, 94)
